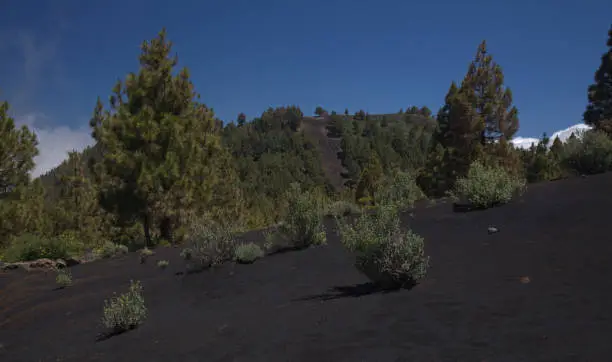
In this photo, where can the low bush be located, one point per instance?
(144, 254)
(163, 264)
(63, 278)
(390, 257)
(187, 253)
(486, 186)
(109, 250)
(269, 236)
(248, 253)
(125, 311)
(210, 242)
(399, 190)
(303, 223)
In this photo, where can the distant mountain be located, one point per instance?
(563, 135)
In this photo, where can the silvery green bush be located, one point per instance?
(485, 186)
(399, 190)
(125, 311)
(211, 242)
(303, 223)
(63, 278)
(248, 253)
(386, 254)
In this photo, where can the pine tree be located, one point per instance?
(241, 119)
(599, 110)
(160, 144)
(77, 209)
(483, 87)
(464, 134)
(476, 115)
(443, 117)
(24, 212)
(360, 116)
(370, 179)
(556, 148)
(18, 147)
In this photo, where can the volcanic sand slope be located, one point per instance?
(316, 130)
(314, 306)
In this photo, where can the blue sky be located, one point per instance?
(59, 56)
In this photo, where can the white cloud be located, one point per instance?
(54, 143)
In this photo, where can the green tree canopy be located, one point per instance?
(599, 110)
(18, 147)
(160, 145)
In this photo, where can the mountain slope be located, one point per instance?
(563, 135)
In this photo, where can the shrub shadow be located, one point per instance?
(348, 291)
(110, 334)
(282, 249)
(463, 207)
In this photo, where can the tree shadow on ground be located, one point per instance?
(348, 291)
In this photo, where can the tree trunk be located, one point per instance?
(165, 229)
(147, 229)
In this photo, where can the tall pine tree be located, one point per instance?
(483, 87)
(599, 110)
(77, 209)
(160, 145)
(476, 114)
(18, 147)
(21, 202)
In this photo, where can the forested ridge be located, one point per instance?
(163, 161)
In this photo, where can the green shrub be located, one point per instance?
(187, 253)
(126, 311)
(248, 253)
(486, 186)
(388, 256)
(342, 208)
(303, 223)
(211, 242)
(399, 190)
(269, 237)
(27, 247)
(63, 278)
(163, 264)
(110, 250)
(589, 155)
(146, 252)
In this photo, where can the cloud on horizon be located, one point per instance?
(40, 69)
(54, 143)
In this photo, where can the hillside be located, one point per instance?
(539, 289)
(315, 128)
